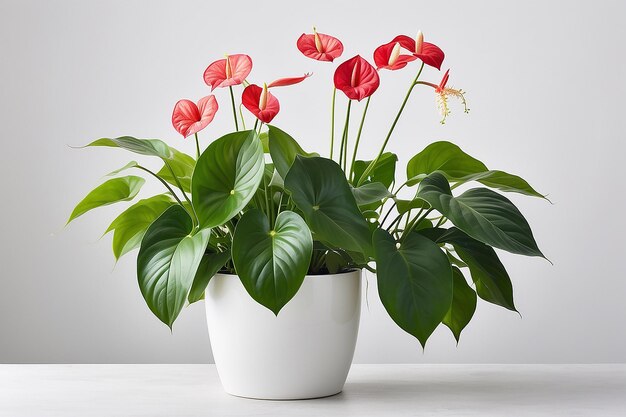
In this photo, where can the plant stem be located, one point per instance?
(243, 121)
(168, 188)
(256, 123)
(393, 126)
(267, 203)
(358, 138)
(195, 215)
(414, 223)
(332, 123)
(232, 100)
(197, 146)
(343, 150)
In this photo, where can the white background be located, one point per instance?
(546, 91)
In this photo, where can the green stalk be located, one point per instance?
(332, 123)
(232, 100)
(358, 138)
(344, 139)
(393, 126)
(243, 121)
(195, 215)
(197, 146)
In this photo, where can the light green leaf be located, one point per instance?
(445, 157)
(183, 166)
(414, 282)
(210, 265)
(405, 205)
(463, 304)
(130, 226)
(272, 262)
(320, 190)
(481, 213)
(167, 262)
(109, 192)
(151, 147)
(226, 177)
(131, 164)
(284, 149)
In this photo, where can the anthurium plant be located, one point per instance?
(254, 203)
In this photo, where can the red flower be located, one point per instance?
(281, 82)
(260, 102)
(189, 118)
(429, 53)
(231, 70)
(357, 78)
(320, 46)
(388, 57)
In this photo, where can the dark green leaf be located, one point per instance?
(414, 282)
(320, 190)
(370, 193)
(109, 192)
(483, 214)
(226, 177)
(272, 263)
(463, 304)
(503, 181)
(405, 205)
(284, 150)
(445, 157)
(210, 265)
(167, 262)
(182, 165)
(384, 172)
(130, 226)
(489, 275)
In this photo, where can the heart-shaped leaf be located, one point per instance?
(167, 262)
(492, 282)
(284, 149)
(272, 262)
(182, 165)
(481, 213)
(226, 177)
(109, 192)
(463, 304)
(210, 265)
(414, 282)
(130, 226)
(445, 157)
(319, 188)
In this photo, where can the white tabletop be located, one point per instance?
(371, 390)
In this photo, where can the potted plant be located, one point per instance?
(274, 238)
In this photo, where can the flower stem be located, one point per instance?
(332, 123)
(195, 215)
(197, 146)
(232, 100)
(358, 138)
(393, 126)
(343, 150)
(243, 121)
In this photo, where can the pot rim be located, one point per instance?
(348, 272)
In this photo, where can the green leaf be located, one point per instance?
(463, 304)
(481, 213)
(320, 190)
(182, 165)
(414, 282)
(226, 177)
(272, 262)
(384, 171)
(131, 164)
(445, 157)
(370, 193)
(264, 137)
(210, 265)
(109, 192)
(489, 275)
(151, 147)
(284, 149)
(503, 181)
(167, 262)
(130, 226)
(405, 205)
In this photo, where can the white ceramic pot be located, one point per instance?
(304, 352)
